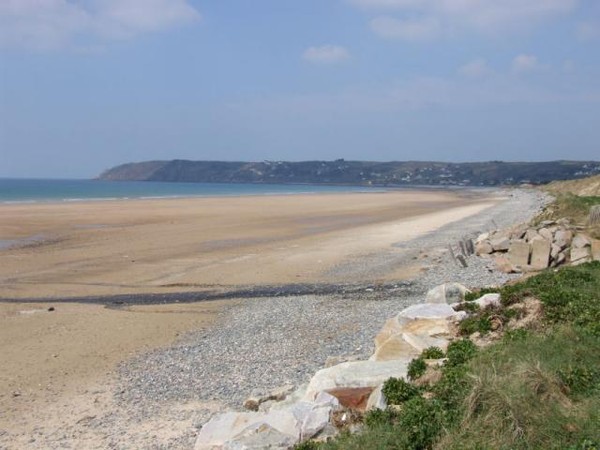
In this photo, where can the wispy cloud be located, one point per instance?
(326, 54)
(486, 16)
(56, 24)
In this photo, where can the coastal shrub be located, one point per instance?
(433, 353)
(451, 390)
(459, 352)
(469, 307)
(470, 325)
(422, 422)
(416, 368)
(381, 417)
(397, 391)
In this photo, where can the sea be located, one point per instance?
(19, 190)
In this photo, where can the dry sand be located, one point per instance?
(50, 359)
(107, 248)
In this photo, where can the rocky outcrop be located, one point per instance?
(534, 248)
(281, 419)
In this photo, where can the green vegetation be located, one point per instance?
(459, 352)
(576, 207)
(397, 391)
(570, 295)
(433, 353)
(416, 368)
(536, 388)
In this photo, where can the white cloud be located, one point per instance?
(486, 16)
(588, 31)
(475, 69)
(326, 54)
(409, 30)
(525, 63)
(52, 24)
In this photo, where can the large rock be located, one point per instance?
(563, 238)
(430, 327)
(500, 243)
(222, 431)
(446, 293)
(560, 258)
(352, 397)
(554, 251)
(518, 232)
(279, 428)
(262, 437)
(377, 400)
(540, 254)
(581, 241)
(531, 234)
(504, 265)
(546, 234)
(488, 300)
(482, 237)
(390, 328)
(421, 342)
(358, 374)
(580, 255)
(395, 347)
(426, 311)
(518, 254)
(483, 248)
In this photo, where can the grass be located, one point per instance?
(575, 207)
(521, 398)
(534, 389)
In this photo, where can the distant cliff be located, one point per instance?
(493, 173)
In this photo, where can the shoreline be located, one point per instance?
(352, 189)
(162, 395)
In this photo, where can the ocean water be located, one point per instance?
(42, 190)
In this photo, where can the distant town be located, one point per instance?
(340, 171)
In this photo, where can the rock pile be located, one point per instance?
(532, 248)
(286, 418)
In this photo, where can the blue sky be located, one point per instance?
(88, 84)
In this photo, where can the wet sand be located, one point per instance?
(54, 358)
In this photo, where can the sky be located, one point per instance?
(89, 84)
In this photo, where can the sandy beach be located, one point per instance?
(55, 358)
(108, 248)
